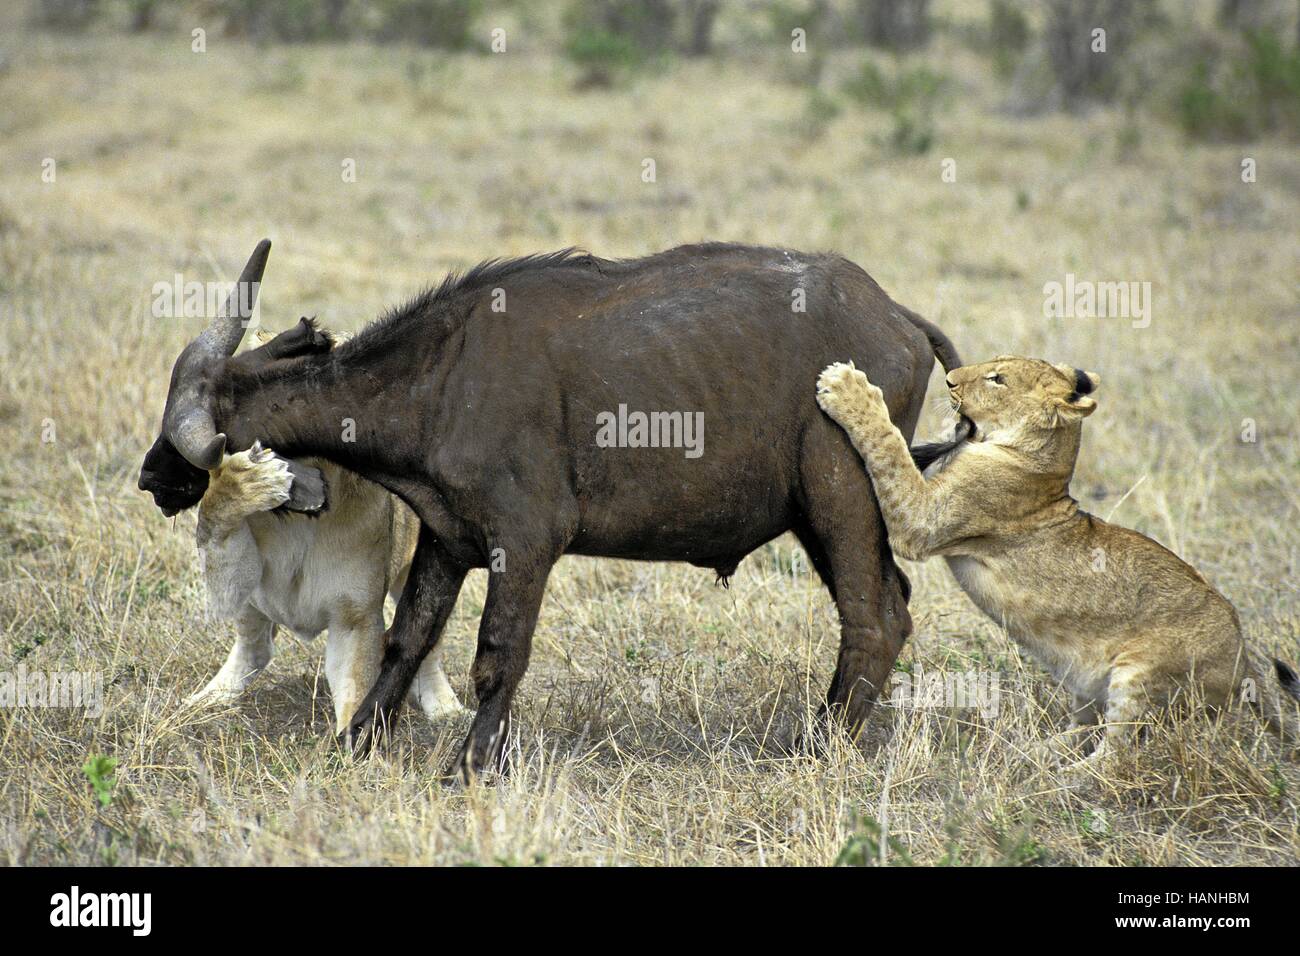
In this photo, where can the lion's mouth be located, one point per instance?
(965, 429)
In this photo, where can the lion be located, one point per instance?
(1120, 621)
(265, 568)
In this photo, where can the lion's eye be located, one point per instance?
(996, 379)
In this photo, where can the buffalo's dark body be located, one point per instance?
(485, 422)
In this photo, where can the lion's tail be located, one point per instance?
(1278, 706)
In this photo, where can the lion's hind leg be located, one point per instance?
(1132, 693)
(1078, 736)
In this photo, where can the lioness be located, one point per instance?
(1122, 622)
(266, 568)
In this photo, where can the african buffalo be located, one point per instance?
(480, 403)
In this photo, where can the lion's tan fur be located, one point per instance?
(1119, 620)
(308, 575)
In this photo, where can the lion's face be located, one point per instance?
(1011, 393)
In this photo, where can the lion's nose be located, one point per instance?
(948, 379)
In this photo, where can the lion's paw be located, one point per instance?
(842, 387)
(252, 481)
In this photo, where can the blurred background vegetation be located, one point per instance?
(1230, 79)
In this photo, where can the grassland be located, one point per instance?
(643, 720)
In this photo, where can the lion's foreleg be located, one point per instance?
(908, 504)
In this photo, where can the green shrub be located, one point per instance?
(446, 24)
(65, 14)
(1275, 72)
(912, 134)
(912, 86)
(288, 21)
(1008, 35)
(100, 770)
(821, 109)
(785, 16)
(910, 96)
(602, 56)
(612, 39)
(863, 846)
(1240, 96)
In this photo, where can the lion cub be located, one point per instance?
(1122, 622)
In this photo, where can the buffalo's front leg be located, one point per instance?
(422, 613)
(505, 638)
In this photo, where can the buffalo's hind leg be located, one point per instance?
(505, 636)
(845, 536)
(430, 594)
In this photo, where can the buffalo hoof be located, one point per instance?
(808, 745)
(362, 735)
(477, 764)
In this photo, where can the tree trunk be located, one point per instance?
(701, 15)
(896, 24)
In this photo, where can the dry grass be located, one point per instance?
(643, 718)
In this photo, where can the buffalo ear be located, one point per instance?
(319, 340)
(303, 339)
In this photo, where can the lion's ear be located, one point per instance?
(1077, 405)
(1084, 382)
(1074, 407)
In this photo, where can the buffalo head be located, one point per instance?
(175, 469)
